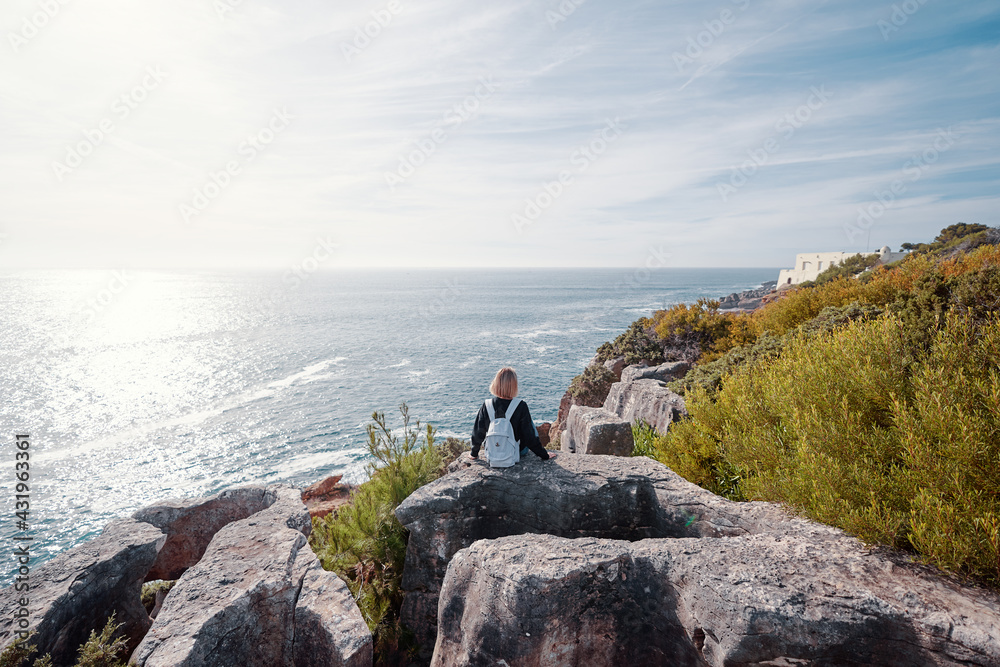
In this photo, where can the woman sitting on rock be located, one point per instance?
(504, 389)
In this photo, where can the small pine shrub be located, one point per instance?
(365, 544)
(104, 650)
(19, 652)
(100, 650)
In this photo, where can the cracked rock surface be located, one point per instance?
(594, 560)
(250, 593)
(74, 592)
(238, 606)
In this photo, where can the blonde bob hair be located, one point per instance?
(504, 385)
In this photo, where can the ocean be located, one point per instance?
(137, 386)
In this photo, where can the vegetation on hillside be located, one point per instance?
(638, 343)
(951, 237)
(871, 403)
(592, 386)
(365, 544)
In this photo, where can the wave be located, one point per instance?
(307, 374)
(539, 332)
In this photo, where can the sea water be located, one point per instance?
(140, 386)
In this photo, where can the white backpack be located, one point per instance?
(502, 450)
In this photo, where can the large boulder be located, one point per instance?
(647, 400)
(667, 372)
(569, 496)
(190, 525)
(608, 560)
(812, 597)
(250, 592)
(329, 628)
(236, 606)
(76, 591)
(565, 405)
(596, 431)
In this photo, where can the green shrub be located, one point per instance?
(592, 386)
(701, 331)
(950, 434)
(365, 544)
(864, 429)
(20, 651)
(639, 342)
(709, 375)
(104, 650)
(100, 650)
(151, 588)
(644, 437)
(693, 449)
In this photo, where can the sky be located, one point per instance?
(256, 134)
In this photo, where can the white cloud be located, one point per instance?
(556, 87)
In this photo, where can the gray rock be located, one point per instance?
(190, 525)
(598, 560)
(246, 574)
(570, 496)
(648, 400)
(329, 628)
(567, 402)
(812, 597)
(664, 372)
(596, 431)
(236, 607)
(748, 299)
(616, 366)
(77, 590)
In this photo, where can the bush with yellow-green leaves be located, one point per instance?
(861, 428)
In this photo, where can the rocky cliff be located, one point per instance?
(250, 591)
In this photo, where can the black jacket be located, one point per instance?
(524, 428)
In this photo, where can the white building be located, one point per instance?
(809, 265)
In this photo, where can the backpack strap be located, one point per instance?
(489, 409)
(511, 408)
